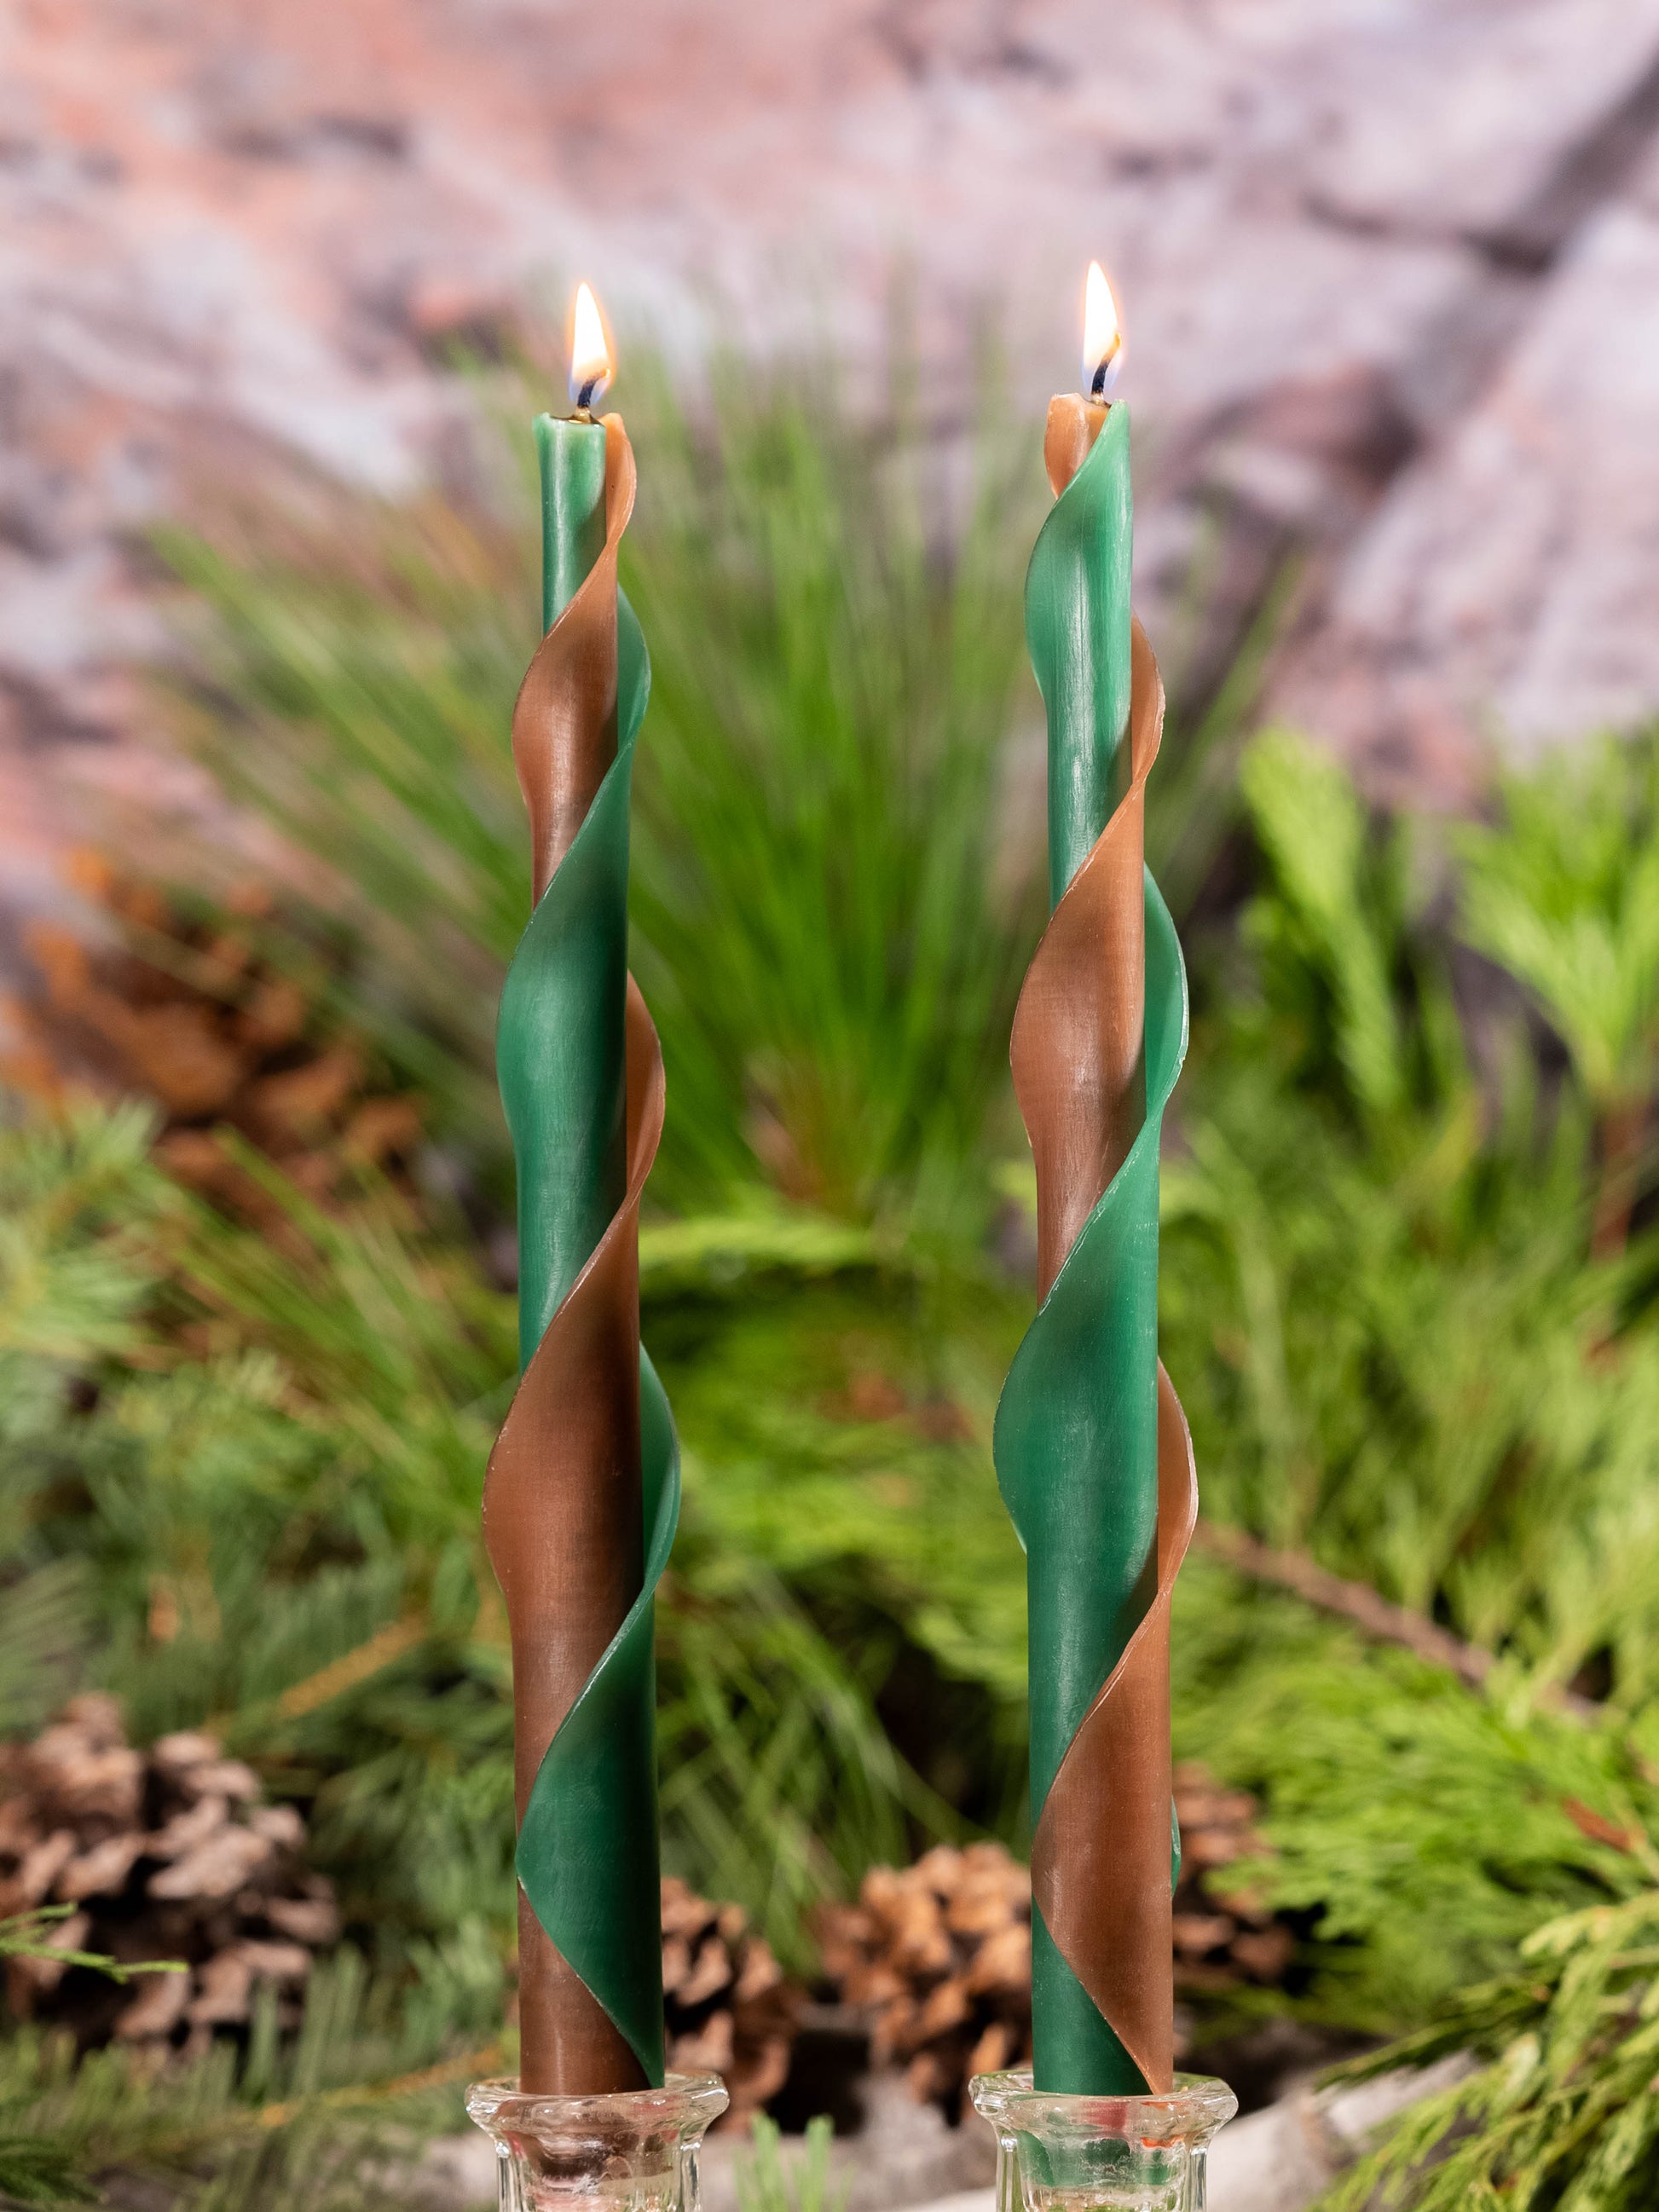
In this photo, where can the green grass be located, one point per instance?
(767, 2181)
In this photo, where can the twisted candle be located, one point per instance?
(582, 1494)
(1091, 1448)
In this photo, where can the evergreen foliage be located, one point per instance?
(329, 2118)
(1424, 1830)
(818, 815)
(1562, 2113)
(1408, 1301)
(1564, 892)
(1396, 1345)
(827, 818)
(28, 1936)
(842, 1639)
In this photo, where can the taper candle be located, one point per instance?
(583, 1488)
(1091, 1450)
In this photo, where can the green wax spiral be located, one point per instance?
(588, 1855)
(1076, 1438)
(569, 1003)
(570, 456)
(1077, 627)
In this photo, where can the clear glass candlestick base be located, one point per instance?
(1057, 2154)
(634, 2151)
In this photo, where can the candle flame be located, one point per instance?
(1102, 335)
(590, 367)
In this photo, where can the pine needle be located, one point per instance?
(1565, 2113)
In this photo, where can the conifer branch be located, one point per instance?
(1374, 1615)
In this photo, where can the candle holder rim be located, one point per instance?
(1198, 2104)
(691, 2101)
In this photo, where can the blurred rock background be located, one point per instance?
(1390, 274)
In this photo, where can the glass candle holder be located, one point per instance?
(633, 2152)
(1062, 2154)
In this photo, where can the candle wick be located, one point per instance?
(1106, 370)
(585, 396)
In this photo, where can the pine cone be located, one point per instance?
(1223, 1935)
(211, 1035)
(168, 1853)
(729, 2007)
(939, 1956)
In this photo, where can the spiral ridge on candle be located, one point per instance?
(1092, 1452)
(582, 1494)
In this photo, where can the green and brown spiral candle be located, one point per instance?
(583, 1488)
(1092, 1452)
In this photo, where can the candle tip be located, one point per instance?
(1102, 335)
(590, 361)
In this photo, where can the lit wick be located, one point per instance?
(1076, 419)
(590, 353)
(1103, 337)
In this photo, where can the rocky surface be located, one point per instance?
(1507, 585)
(1388, 274)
